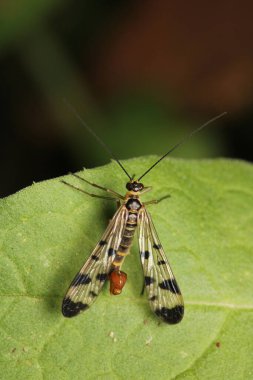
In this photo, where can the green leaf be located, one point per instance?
(49, 229)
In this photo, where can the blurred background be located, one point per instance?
(141, 74)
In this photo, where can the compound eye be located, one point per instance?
(137, 186)
(129, 186)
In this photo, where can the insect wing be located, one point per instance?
(89, 281)
(164, 295)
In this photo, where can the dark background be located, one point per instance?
(141, 74)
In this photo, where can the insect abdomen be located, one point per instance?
(126, 241)
(133, 205)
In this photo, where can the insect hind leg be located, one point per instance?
(143, 288)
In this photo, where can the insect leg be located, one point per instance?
(155, 201)
(85, 192)
(118, 203)
(145, 190)
(143, 288)
(114, 193)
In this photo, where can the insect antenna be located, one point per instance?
(101, 142)
(182, 142)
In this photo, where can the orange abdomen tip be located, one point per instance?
(117, 281)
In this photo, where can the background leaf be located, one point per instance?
(47, 232)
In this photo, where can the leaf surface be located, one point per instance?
(49, 229)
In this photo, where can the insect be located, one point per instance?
(105, 261)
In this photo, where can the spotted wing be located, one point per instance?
(90, 279)
(164, 295)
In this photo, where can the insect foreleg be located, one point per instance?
(85, 192)
(155, 201)
(145, 190)
(114, 193)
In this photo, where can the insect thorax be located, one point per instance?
(133, 204)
